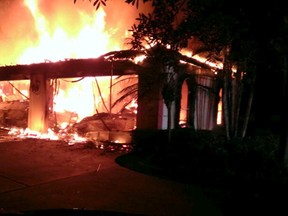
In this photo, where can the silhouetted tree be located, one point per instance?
(232, 31)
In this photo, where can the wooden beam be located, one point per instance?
(69, 68)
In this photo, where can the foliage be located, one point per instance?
(231, 31)
(96, 3)
(135, 2)
(129, 92)
(160, 27)
(237, 174)
(252, 157)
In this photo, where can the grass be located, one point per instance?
(242, 177)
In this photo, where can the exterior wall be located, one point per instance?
(152, 113)
(148, 110)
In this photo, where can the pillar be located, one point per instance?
(38, 104)
(152, 112)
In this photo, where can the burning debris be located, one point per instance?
(61, 57)
(91, 130)
(107, 122)
(14, 114)
(106, 130)
(59, 31)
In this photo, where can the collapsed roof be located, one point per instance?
(120, 61)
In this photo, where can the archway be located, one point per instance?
(184, 105)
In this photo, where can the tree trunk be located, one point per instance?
(169, 130)
(169, 92)
(226, 93)
(238, 101)
(178, 99)
(191, 102)
(248, 111)
(226, 109)
(283, 148)
(234, 100)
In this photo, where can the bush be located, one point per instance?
(242, 174)
(208, 152)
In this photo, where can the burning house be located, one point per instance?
(78, 93)
(40, 107)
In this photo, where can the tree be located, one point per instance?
(279, 45)
(172, 24)
(230, 31)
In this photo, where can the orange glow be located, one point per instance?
(219, 110)
(83, 97)
(76, 98)
(49, 31)
(139, 59)
(184, 105)
(214, 65)
(27, 133)
(56, 44)
(52, 39)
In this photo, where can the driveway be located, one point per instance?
(40, 174)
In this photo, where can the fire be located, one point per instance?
(56, 43)
(50, 31)
(76, 98)
(215, 65)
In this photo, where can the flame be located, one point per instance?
(56, 44)
(27, 133)
(133, 106)
(215, 65)
(139, 59)
(219, 109)
(51, 39)
(76, 99)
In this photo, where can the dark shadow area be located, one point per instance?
(70, 212)
(240, 176)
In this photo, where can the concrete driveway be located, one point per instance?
(38, 175)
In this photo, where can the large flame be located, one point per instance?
(86, 35)
(44, 30)
(49, 31)
(56, 44)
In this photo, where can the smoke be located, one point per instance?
(17, 25)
